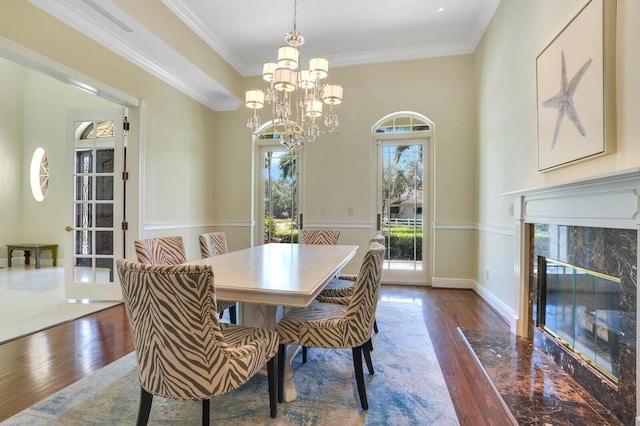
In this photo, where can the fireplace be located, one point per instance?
(583, 291)
(576, 258)
(580, 308)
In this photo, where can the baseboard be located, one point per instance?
(498, 306)
(461, 283)
(504, 311)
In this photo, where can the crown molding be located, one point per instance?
(126, 37)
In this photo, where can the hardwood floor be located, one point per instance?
(36, 366)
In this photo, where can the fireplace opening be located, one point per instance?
(581, 309)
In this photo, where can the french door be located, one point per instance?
(95, 232)
(279, 194)
(401, 208)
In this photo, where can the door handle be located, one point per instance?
(68, 228)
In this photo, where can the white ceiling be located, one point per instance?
(247, 33)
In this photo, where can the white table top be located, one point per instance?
(277, 274)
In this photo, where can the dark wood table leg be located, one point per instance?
(27, 253)
(54, 255)
(9, 253)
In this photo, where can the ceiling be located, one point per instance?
(247, 33)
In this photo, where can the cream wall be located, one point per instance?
(177, 164)
(11, 158)
(36, 109)
(338, 167)
(507, 133)
(46, 102)
(197, 164)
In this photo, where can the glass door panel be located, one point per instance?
(97, 207)
(279, 194)
(400, 209)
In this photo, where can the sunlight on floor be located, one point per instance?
(32, 299)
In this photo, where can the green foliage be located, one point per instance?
(270, 227)
(401, 244)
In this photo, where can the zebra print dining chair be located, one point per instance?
(182, 351)
(335, 326)
(342, 286)
(339, 290)
(320, 236)
(211, 244)
(170, 251)
(161, 251)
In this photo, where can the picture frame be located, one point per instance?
(575, 86)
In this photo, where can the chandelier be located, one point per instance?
(296, 95)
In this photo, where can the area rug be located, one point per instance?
(407, 389)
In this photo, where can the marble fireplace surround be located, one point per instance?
(603, 213)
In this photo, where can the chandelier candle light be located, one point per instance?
(296, 95)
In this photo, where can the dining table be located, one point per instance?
(267, 279)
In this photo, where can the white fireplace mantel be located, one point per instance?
(605, 201)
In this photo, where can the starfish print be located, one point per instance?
(563, 100)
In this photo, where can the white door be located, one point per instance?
(95, 204)
(401, 207)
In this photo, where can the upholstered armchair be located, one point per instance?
(319, 236)
(161, 251)
(182, 351)
(335, 326)
(211, 244)
(170, 251)
(342, 286)
(339, 290)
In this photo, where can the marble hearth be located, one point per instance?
(594, 225)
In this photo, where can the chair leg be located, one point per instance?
(367, 347)
(375, 325)
(145, 407)
(206, 403)
(281, 359)
(304, 354)
(357, 365)
(233, 315)
(273, 389)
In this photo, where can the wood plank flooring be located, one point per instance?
(36, 366)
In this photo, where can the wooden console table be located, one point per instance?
(36, 248)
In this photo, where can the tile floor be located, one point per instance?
(32, 299)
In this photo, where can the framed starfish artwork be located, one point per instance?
(576, 89)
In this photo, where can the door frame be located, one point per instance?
(429, 198)
(258, 184)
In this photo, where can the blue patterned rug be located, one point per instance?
(407, 389)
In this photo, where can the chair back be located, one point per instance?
(213, 243)
(362, 308)
(379, 238)
(320, 236)
(161, 251)
(176, 335)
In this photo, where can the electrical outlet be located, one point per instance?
(350, 211)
